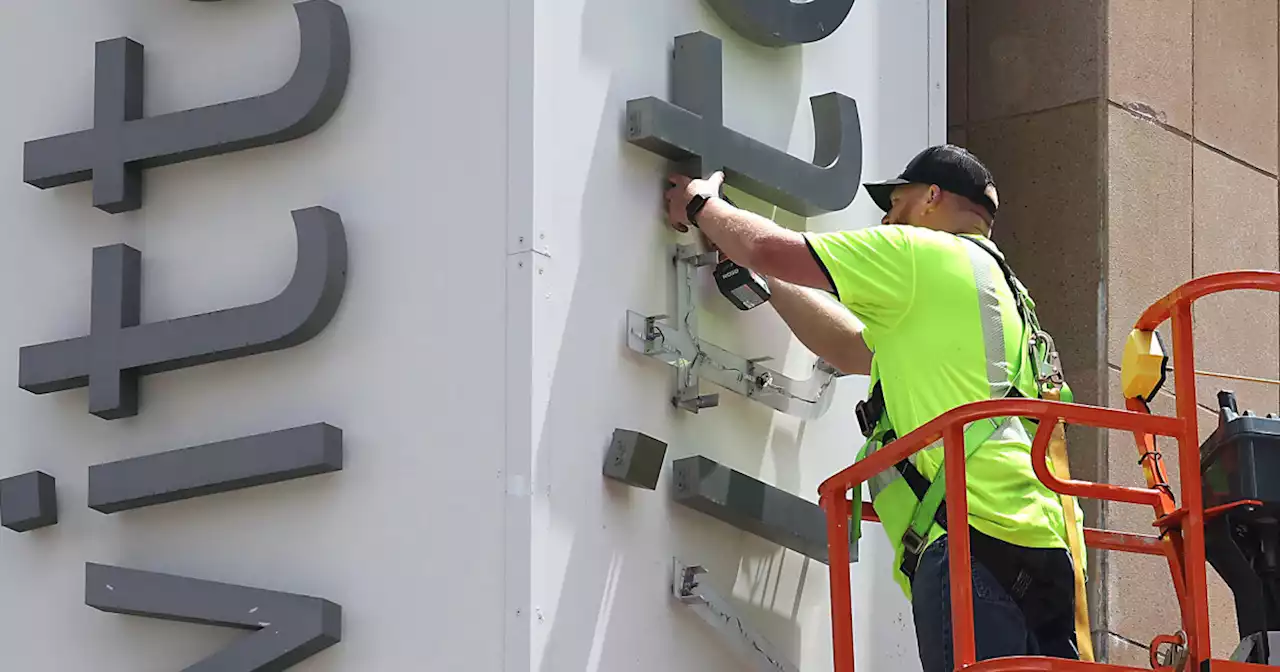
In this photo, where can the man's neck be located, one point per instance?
(962, 220)
(966, 227)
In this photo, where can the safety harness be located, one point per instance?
(930, 495)
(878, 430)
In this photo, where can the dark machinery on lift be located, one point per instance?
(1240, 465)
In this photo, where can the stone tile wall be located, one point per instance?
(1135, 146)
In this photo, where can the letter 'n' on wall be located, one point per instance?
(123, 141)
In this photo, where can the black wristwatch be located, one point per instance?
(696, 204)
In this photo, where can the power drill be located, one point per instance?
(744, 288)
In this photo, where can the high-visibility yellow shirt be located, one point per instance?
(923, 297)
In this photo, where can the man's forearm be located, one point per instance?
(761, 245)
(740, 234)
(824, 327)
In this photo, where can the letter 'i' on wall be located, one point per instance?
(123, 142)
(782, 23)
(119, 349)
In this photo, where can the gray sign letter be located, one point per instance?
(289, 628)
(781, 23)
(118, 349)
(123, 142)
(214, 468)
(690, 129)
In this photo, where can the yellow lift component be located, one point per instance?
(1144, 365)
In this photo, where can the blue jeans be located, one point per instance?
(1001, 627)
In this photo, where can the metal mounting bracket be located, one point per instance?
(675, 342)
(688, 588)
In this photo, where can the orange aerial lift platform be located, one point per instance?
(1227, 513)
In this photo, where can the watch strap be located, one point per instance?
(695, 206)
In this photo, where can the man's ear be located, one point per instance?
(991, 193)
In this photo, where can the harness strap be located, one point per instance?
(931, 495)
(1057, 391)
(1058, 458)
(1015, 287)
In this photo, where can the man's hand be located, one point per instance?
(748, 239)
(682, 191)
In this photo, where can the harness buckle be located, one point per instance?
(869, 410)
(866, 422)
(912, 543)
(1048, 367)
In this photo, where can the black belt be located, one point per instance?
(1041, 581)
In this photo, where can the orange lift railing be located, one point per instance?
(1181, 539)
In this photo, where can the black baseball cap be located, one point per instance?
(952, 168)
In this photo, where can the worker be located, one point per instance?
(930, 313)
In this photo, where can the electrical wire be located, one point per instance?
(1127, 640)
(1232, 376)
